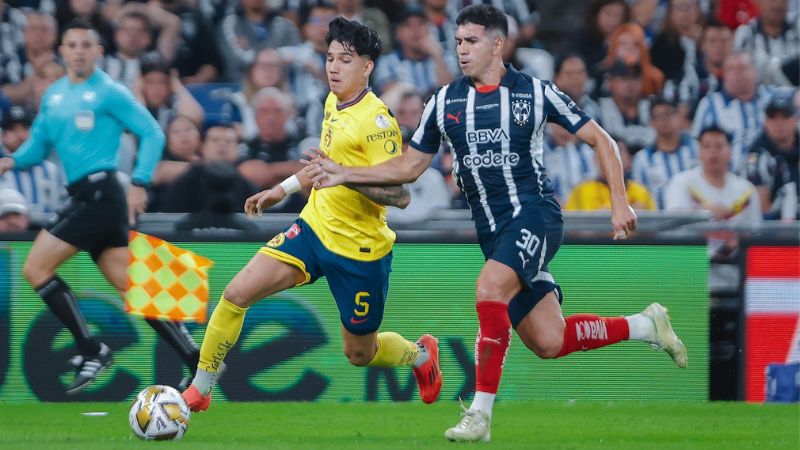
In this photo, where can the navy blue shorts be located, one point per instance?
(527, 244)
(359, 287)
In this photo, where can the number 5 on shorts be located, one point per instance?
(361, 304)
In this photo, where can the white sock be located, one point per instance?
(204, 381)
(422, 356)
(641, 328)
(483, 402)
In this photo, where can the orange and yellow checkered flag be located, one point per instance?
(165, 281)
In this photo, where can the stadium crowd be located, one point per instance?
(701, 96)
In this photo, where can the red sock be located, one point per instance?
(491, 345)
(588, 331)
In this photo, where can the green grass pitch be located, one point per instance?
(384, 426)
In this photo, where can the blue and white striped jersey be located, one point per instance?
(569, 165)
(496, 139)
(654, 168)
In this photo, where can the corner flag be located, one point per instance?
(165, 281)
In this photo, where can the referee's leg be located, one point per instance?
(46, 255)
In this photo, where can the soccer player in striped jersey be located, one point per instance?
(341, 233)
(493, 119)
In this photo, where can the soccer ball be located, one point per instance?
(159, 413)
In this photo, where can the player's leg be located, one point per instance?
(497, 284)
(360, 290)
(47, 254)
(113, 263)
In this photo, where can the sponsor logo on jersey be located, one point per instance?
(390, 147)
(490, 159)
(521, 95)
(486, 136)
(487, 106)
(293, 231)
(521, 110)
(455, 100)
(456, 117)
(381, 135)
(382, 121)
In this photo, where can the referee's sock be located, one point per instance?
(178, 337)
(62, 301)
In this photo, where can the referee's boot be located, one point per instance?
(666, 339)
(88, 368)
(474, 426)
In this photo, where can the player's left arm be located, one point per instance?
(623, 219)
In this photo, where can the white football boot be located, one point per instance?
(474, 426)
(666, 339)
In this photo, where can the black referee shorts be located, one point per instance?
(96, 217)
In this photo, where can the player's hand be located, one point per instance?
(326, 172)
(623, 220)
(137, 202)
(6, 164)
(256, 204)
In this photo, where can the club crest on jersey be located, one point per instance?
(277, 241)
(521, 110)
(293, 231)
(390, 147)
(327, 140)
(382, 121)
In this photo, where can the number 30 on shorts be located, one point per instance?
(361, 303)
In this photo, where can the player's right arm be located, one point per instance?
(270, 197)
(35, 149)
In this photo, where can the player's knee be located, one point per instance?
(487, 291)
(357, 357)
(35, 274)
(234, 295)
(545, 347)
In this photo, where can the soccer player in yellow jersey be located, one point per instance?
(341, 233)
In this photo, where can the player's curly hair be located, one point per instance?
(354, 36)
(489, 16)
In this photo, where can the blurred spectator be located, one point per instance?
(673, 151)
(773, 38)
(568, 160)
(42, 185)
(197, 58)
(14, 214)
(371, 17)
(603, 17)
(182, 149)
(49, 73)
(738, 108)
(163, 94)
(408, 112)
(571, 76)
(270, 71)
(648, 14)
(88, 11)
(536, 62)
(627, 113)
(12, 22)
(19, 70)
(594, 194)
(705, 75)
(419, 59)
(212, 183)
(133, 38)
(442, 23)
(272, 155)
(774, 158)
(251, 27)
(710, 186)
(676, 46)
(627, 45)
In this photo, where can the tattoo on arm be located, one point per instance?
(384, 195)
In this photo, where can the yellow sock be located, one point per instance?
(221, 334)
(394, 350)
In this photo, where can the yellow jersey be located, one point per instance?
(594, 195)
(360, 133)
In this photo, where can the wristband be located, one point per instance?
(291, 185)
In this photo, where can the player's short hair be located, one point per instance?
(715, 129)
(491, 18)
(354, 36)
(78, 24)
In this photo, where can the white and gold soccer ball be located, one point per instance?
(159, 413)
